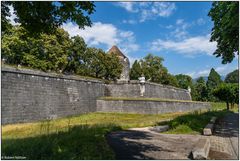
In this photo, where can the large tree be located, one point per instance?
(37, 16)
(227, 92)
(153, 68)
(45, 52)
(232, 77)
(184, 81)
(225, 32)
(201, 92)
(77, 57)
(135, 71)
(214, 79)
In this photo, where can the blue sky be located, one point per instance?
(177, 31)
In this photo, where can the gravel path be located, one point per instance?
(136, 144)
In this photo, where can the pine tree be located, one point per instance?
(136, 71)
(214, 79)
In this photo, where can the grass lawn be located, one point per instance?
(76, 137)
(83, 136)
(194, 122)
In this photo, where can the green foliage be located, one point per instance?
(201, 92)
(214, 79)
(135, 71)
(113, 67)
(77, 57)
(228, 93)
(46, 52)
(232, 77)
(184, 81)
(225, 32)
(5, 24)
(192, 123)
(169, 80)
(78, 142)
(152, 68)
(38, 17)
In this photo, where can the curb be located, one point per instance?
(201, 150)
(208, 130)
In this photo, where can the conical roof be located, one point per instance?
(115, 50)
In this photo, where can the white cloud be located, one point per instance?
(189, 46)
(222, 70)
(104, 34)
(129, 6)
(179, 21)
(201, 21)
(129, 22)
(149, 10)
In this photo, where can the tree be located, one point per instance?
(214, 79)
(232, 77)
(46, 52)
(96, 65)
(77, 57)
(201, 92)
(184, 81)
(113, 67)
(169, 80)
(135, 71)
(152, 68)
(228, 93)
(38, 17)
(226, 29)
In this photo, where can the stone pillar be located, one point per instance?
(142, 85)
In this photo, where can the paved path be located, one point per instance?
(136, 144)
(141, 143)
(225, 138)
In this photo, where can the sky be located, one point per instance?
(179, 32)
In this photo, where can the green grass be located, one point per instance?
(194, 122)
(144, 99)
(77, 137)
(83, 136)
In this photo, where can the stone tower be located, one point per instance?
(124, 61)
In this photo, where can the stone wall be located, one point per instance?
(148, 107)
(29, 95)
(152, 90)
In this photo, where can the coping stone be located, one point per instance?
(201, 149)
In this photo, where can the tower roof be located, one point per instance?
(116, 51)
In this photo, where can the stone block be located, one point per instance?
(208, 129)
(160, 128)
(201, 149)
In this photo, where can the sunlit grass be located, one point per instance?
(51, 126)
(83, 136)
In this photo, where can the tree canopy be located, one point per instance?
(201, 92)
(214, 79)
(38, 17)
(135, 71)
(225, 32)
(57, 52)
(232, 77)
(227, 92)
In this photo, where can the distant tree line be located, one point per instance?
(211, 90)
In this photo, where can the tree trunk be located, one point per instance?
(232, 105)
(227, 106)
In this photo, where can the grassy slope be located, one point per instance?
(77, 137)
(194, 122)
(83, 136)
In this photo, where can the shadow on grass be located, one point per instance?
(192, 123)
(79, 142)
